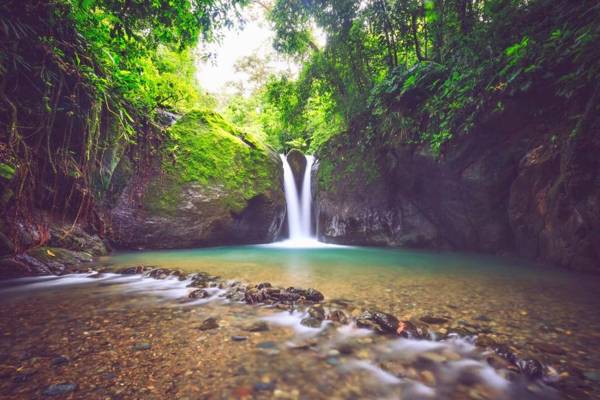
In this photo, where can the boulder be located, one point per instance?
(220, 187)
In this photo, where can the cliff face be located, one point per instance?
(513, 185)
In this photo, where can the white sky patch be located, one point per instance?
(218, 75)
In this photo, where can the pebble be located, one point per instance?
(59, 389)
(264, 386)
(237, 338)
(209, 323)
(592, 376)
(59, 360)
(257, 326)
(141, 346)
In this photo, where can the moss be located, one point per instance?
(204, 148)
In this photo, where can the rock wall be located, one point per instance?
(514, 185)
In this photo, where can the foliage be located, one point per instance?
(80, 83)
(431, 69)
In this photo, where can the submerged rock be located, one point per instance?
(138, 269)
(311, 322)
(198, 294)
(338, 316)
(531, 368)
(379, 321)
(208, 324)
(142, 346)
(257, 326)
(59, 389)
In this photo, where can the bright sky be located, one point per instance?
(254, 38)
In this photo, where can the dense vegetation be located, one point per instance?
(85, 83)
(427, 70)
(82, 84)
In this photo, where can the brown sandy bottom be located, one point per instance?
(119, 337)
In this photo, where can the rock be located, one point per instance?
(411, 330)
(164, 273)
(11, 268)
(531, 368)
(202, 280)
(257, 326)
(264, 386)
(379, 321)
(263, 285)
(208, 324)
(313, 295)
(317, 312)
(59, 389)
(592, 376)
(255, 296)
(485, 341)
(483, 318)
(198, 294)
(207, 207)
(311, 322)
(429, 319)
(297, 162)
(267, 345)
(142, 346)
(505, 353)
(60, 360)
(76, 238)
(238, 338)
(338, 316)
(471, 198)
(138, 269)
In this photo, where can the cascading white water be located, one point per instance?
(298, 207)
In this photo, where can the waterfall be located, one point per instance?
(298, 207)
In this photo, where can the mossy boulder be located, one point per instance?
(214, 184)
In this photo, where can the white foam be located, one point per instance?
(304, 243)
(351, 330)
(383, 376)
(292, 320)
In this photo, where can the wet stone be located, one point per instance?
(311, 322)
(339, 316)
(592, 376)
(60, 360)
(208, 324)
(411, 330)
(264, 386)
(59, 389)
(531, 368)
(317, 312)
(199, 294)
(257, 326)
(379, 321)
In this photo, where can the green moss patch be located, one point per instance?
(204, 148)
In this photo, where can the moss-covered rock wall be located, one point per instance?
(212, 184)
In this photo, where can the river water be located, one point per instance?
(137, 337)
